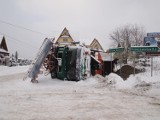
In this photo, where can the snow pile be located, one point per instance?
(110, 81)
(142, 79)
(115, 81)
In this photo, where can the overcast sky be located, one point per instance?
(85, 20)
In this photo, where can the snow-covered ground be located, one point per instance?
(97, 98)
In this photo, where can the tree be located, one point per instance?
(16, 55)
(126, 36)
(138, 33)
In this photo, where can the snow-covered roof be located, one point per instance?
(4, 51)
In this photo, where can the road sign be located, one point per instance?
(144, 49)
(120, 49)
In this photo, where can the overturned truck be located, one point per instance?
(70, 63)
(65, 62)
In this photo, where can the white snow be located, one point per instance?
(97, 98)
(5, 70)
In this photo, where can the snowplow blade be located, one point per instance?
(39, 59)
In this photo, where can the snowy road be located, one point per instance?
(53, 99)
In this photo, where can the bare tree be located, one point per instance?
(116, 36)
(126, 36)
(138, 33)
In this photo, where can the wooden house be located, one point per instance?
(3, 47)
(95, 45)
(4, 54)
(65, 38)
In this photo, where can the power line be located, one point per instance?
(17, 26)
(18, 40)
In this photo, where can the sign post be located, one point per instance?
(151, 66)
(120, 63)
(111, 62)
(134, 54)
(144, 49)
(119, 49)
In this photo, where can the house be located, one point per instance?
(3, 47)
(152, 39)
(4, 54)
(65, 38)
(95, 45)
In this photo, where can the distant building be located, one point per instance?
(96, 45)
(3, 47)
(4, 54)
(65, 38)
(152, 39)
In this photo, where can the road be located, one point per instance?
(53, 99)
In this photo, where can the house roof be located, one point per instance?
(95, 41)
(3, 44)
(65, 34)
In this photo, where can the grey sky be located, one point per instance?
(85, 19)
